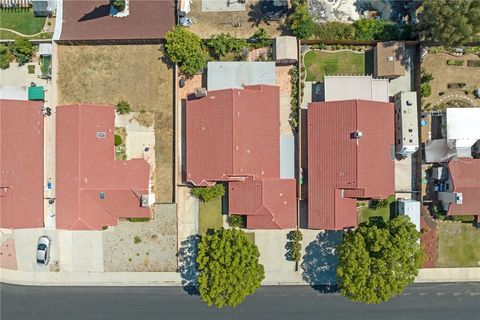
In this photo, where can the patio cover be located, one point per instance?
(36, 93)
(440, 150)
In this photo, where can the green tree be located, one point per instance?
(426, 89)
(123, 107)
(22, 50)
(379, 259)
(334, 31)
(450, 22)
(236, 221)
(294, 245)
(118, 4)
(224, 43)
(260, 38)
(184, 48)
(228, 267)
(300, 21)
(207, 194)
(5, 57)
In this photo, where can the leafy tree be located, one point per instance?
(22, 50)
(294, 245)
(334, 31)
(207, 194)
(260, 39)
(118, 4)
(377, 203)
(5, 57)
(185, 49)
(379, 259)
(224, 43)
(228, 267)
(236, 221)
(426, 77)
(123, 107)
(450, 22)
(300, 21)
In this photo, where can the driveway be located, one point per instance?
(81, 251)
(26, 247)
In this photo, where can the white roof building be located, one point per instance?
(410, 208)
(356, 87)
(463, 125)
(226, 75)
(286, 49)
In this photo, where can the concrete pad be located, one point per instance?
(404, 83)
(14, 92)
(222, 6)
(81, 251)
(8, 258)
(26, 248)
(403, 177)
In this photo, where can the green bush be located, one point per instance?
(300, 22)
(377, 203)
(451, 62)
(123, 107)
(118, 4)
(426, 89)
(437, 211)
(224, 43)
(236, 221)
(466, 218)
(260, 39)
(381, 29)
(31, 68)
(22, 50)
(294, 247)
(118, 140)
(293, 119)
(426, 77)
(334, 31)
(137, 240)
(138, 219)
(206, 194)
(5, 57)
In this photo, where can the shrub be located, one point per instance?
(437, 211)
(381, 29)
(426, 89)
(207, 194)
(426, 77)
(5, 57)
(467, 218)
(451, 62)
(294, 247)
(123, 107)
(334, 31)
(236, 221)
(260, 39)
(377, 203)
(300, 22)
(224, 43)
(293, 120)
(118, 140)
(22, 50)
(31, 68)
(138, 219)
(137, 240)
(118, 4)
(474, 63)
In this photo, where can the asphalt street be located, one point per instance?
(420, 301)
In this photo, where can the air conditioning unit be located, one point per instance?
(144, 200)
(200, 92)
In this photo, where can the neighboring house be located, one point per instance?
(90, 21)
(458, 186)
(350, 157)
(286, 50)
(458, 131)
(237, 74)
(410, 208)
(233, 136)
(406, 123)
(389, 59)
(21, 164)
(43, 8)
(338, 88)
(94, 190)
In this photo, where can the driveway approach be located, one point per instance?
(426, 302)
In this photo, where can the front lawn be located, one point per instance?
(321, 63)
(21, 20)
(210, 215)
(385, 212)
(458, 244)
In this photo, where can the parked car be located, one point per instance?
(43, 250)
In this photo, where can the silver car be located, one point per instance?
(43, 250)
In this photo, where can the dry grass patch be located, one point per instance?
(457, 244)
(135, 73)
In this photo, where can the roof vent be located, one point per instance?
(101, 195)
(144, 200)
(409, 102)
(357, 134)
(101, 135)
(390, 59)
(200, 92)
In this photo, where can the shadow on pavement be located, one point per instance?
(320, 262)
(187, 264)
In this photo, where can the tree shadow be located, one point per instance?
(98, 12)
(187, 264)
(321, 260)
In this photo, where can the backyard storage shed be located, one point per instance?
(286, 50)
(389, 59)
(410, 208)
(43, 8)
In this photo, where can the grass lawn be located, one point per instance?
(105, 74)
(458, 244)
(7, 35)
(320, 63)
(250, 236)
(210, 215)
(386, 212)
(21, 20)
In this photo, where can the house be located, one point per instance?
(458, 132)
(21, 164)
(355, 87)
(237, 74)
(89, 21)
(94, 190)
(389, 60)
(233, 136)
(411, 209)
(458, 186)
(406, 123)
(43, 8)
(350, 157)
(286, 50)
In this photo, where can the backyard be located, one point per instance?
(386, 212)
(135, 73)
(22, 21)
(210, 215)
(457, 244)
(320, 63)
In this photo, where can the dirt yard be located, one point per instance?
(135, 73)
(436, 64)
(241, 24)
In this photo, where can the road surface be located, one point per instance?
(421, 301)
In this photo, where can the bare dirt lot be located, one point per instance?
(135, 73)
(443, 74)
(241, 24)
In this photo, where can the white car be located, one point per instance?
(43, 250)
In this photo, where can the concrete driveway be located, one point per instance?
(26, 247)
(81, 251)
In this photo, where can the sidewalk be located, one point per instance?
(174, 279)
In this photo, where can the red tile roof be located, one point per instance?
(342, 168)
(90, 20)
(21, 164)
(465, 175)
(234, 135)
(268, 203)
(85, 168)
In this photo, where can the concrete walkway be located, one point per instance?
(174, 279)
